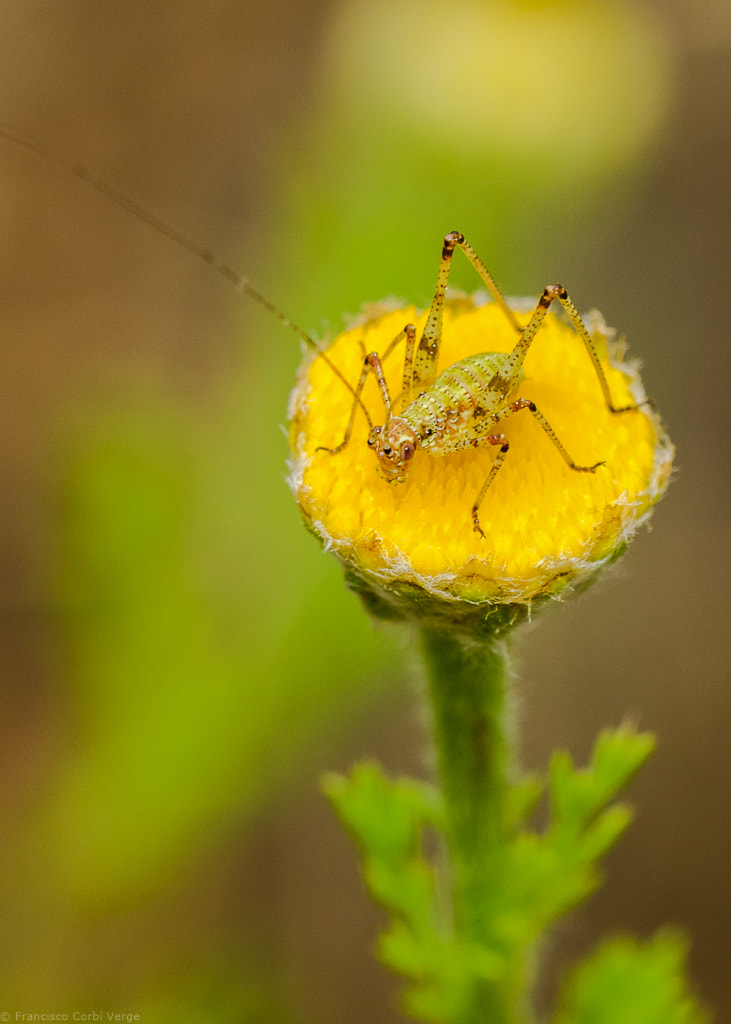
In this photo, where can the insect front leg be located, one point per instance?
(357, 401)
(373, 364)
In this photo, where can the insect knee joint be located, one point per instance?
(553, 291)
(451, 240)
(522, 403)
(501, 440)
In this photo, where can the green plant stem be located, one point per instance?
(467, 686)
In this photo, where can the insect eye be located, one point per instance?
(407, 451)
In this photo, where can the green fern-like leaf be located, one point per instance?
(530, 878)
(629, 982)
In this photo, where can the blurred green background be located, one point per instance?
(179, 662)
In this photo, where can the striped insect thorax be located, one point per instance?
(459, 408)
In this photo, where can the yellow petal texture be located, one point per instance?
(545, 525)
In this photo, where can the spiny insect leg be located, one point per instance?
(427, 355)
(494, 439)
(525, 403)
(426, 359)
(487, 277)
(508, 374)
(372, 363)
(409, 334)
(499, 439)
(581, 330)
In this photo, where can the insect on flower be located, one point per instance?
(462, 406)
(459, 410)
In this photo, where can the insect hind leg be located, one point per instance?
(426, 359)
(560, 293)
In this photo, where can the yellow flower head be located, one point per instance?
(413, 545)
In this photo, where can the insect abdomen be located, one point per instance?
(459, 407)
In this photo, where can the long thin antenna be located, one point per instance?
(208, 257)
(162, 227)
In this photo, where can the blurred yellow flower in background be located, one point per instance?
(536, 81)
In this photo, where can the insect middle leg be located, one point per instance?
(499, 439)
(409, 336)
(495, 439)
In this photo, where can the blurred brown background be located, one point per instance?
(204, 112)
